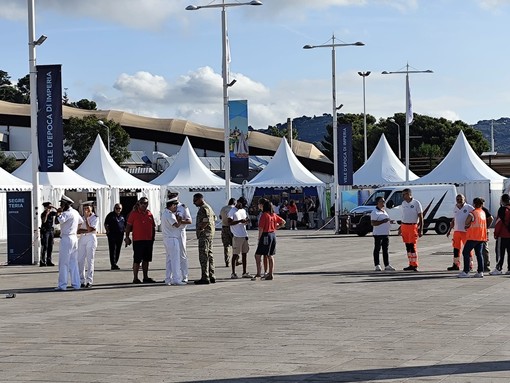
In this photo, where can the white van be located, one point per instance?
(437, 201)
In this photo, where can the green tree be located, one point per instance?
(281, 131)
(7, 163)
(84, 104)
(80, 134)
(10, 92)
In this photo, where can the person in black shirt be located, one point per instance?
(47, 234)
(115, 223)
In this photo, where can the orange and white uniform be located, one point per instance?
(409, 229)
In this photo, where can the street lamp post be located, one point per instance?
(408, 108)
(224, 74)
(32, 43)
(364, 74)
(101, 122)
(392, 120)
(333, 45)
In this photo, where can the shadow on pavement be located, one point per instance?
(373, 375)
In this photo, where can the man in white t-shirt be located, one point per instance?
(460, 213)
(381, 223)
(411, 228)
(237, 219)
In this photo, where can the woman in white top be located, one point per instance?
(87, 245)
(381, 230)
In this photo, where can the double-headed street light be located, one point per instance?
(333, 45)
(364, 74)
(225, 74)
(409, 112)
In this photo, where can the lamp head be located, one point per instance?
(385, 72)
(40, 40)
(359, 44)
(101, 122)
(255, 2)
(192, 8)
(308, 46)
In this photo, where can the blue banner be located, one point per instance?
(19, 228)
(238, 142)
(344, 160)
(50, 130)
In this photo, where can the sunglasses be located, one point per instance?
(144, 203)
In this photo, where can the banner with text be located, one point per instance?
(19, 228)
(344, 160)
(50, 130)
(238, 141)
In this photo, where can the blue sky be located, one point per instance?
(154, 58)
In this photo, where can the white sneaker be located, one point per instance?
(496, 272)
(178, 283)
(389, 268)
(233, 276)
(247, 275)
(478, 275)
(463, 275)
(378, 268)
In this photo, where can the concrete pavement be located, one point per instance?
(326, 317)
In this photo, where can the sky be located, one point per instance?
(154, 58)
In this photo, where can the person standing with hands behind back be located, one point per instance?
(381, 223)
(205, 234)
(115, 225)
(141, 223)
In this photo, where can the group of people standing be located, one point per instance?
(470, 225)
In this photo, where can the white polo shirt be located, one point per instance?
(383, 228)
(460, 215)
(411, 210)
(239, 229)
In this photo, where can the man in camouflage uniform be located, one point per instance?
(205, 233)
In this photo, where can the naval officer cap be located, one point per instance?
(172, 201)
(66, 199)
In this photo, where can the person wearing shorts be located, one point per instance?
(141, 223)
(238, 219)
(268, 224)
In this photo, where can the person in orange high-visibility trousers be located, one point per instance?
(411, 228)
(460, 213)
(476, 235)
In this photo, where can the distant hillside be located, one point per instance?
(501, 133)
(313, 130)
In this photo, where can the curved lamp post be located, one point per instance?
(101, 122)
(333, 45)
(392, 120)
(364, 74)
(224, 73)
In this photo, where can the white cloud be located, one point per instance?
(142, 84)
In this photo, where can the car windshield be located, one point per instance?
(379, 193)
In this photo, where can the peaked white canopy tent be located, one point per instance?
(9, 183)
(474, 178)
(54, 184)
(382, 167)
(100, 167)
(188, 175)
(285, 170)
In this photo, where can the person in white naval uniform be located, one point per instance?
(172, 240)
(184, 215)
(69, 220)
(87, 245)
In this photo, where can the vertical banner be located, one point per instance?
(19, 228)
(344, 160)
(50, 130)
(238, 142)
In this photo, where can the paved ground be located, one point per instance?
(326, 317)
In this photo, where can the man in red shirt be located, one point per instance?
(141, 223)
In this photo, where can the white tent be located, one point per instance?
(54, 184)
(383, 167)
(474, 178)
(100, 167)
(187, 176)
(285, 170)
(8, 183)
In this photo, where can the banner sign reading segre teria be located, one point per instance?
(50, 131)
(344, 159)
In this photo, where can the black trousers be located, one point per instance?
(115, 245)
(47, 237)
(381, 241)
(502, 245)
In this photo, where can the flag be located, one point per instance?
(409, 111)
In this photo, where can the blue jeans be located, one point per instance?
(477, 246)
